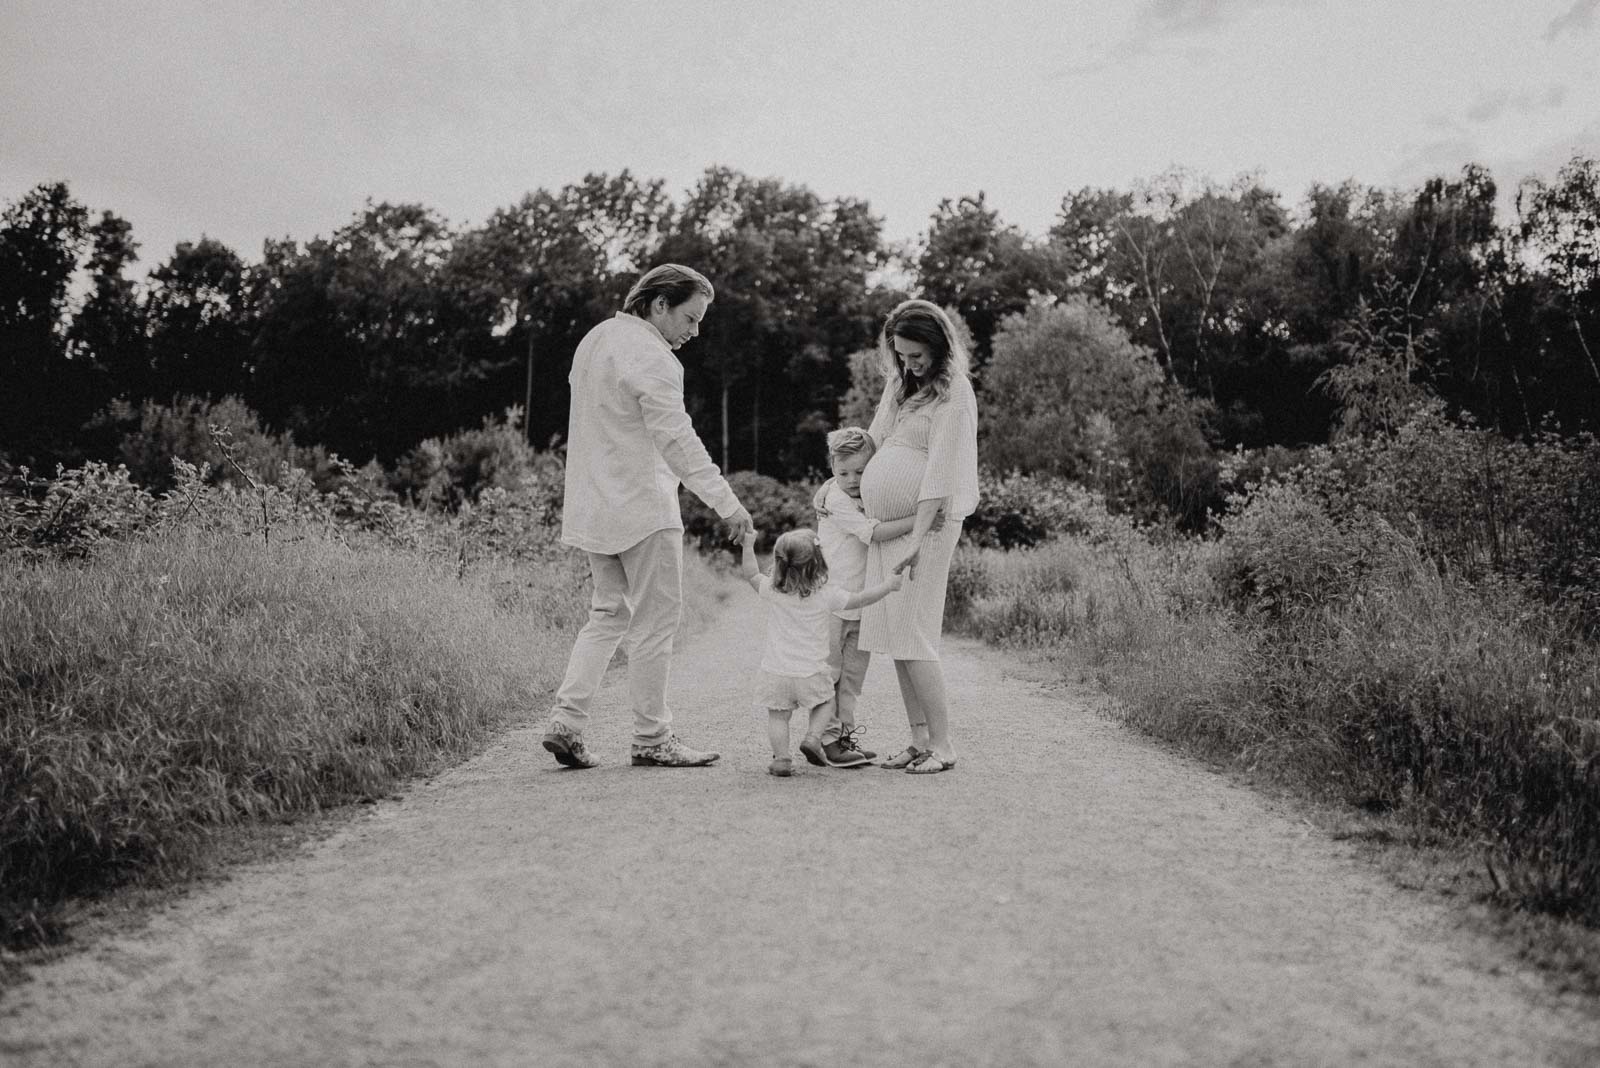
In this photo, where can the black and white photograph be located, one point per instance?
(589, 533)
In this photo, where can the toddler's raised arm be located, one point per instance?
(747, 559)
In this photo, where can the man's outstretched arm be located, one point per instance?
(661, 403)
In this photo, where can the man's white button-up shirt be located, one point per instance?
(630, 442)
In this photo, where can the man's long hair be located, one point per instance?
(671, 280)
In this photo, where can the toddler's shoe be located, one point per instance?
(671, 753)
(566, 745)
(782, 767)
(811, 749)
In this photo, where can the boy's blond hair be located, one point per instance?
(848, 441)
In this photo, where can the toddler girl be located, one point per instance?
(794, 665)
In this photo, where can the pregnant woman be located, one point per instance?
(926, 428)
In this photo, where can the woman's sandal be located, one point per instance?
(930, 765)
(904, 759)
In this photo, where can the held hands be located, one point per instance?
(739, 524)
(909, 564)
(748, 538)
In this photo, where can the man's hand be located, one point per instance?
(739, 524)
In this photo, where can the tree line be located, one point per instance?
(1266, 323)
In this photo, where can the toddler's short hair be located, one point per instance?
(848, 441)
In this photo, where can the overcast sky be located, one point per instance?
(248, 120)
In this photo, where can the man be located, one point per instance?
(629, 444)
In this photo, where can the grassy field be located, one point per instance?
(175, 687)
(1454, 722)
(179, 684)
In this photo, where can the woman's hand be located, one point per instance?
(930, 516)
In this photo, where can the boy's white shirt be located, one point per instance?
(845, 534)
(797, 628)
(630, 442)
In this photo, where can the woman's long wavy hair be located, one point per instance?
(797, 563)
(926, 322)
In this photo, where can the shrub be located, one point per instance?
(74, 513)
(151, 436)
(1482, 504)
(445, 473)
(1285, 551)
(1068, 393)
(519, 524)
(775, 507)
(1468, 710)
(1460, 707)
(1017, 511)
(1470, 500)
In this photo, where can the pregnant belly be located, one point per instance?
(891, 480)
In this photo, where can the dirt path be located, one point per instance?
(1068, 896)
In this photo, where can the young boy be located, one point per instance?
(845, 532)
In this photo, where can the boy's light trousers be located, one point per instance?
(638, 595)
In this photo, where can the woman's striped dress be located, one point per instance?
(926, 450)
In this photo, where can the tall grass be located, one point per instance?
(1467, 709)
(175, 665)
(179, 684)
(1405, 622)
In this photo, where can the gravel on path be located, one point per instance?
(1068, 895)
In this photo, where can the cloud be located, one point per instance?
(1157, 20)
(1165, 18)
(1578, 18)
(1491, 106)
(1549, 157)
(1119, 55)
(1441, 156)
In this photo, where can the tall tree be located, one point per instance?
(1177, 260)
(199, 336)
(1083, 240)
(1560, 227)
(549, 267)
(1308, 283)
(983, 268)
(794, 297)
(361, 342)
(109, 328)
(42, 238)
